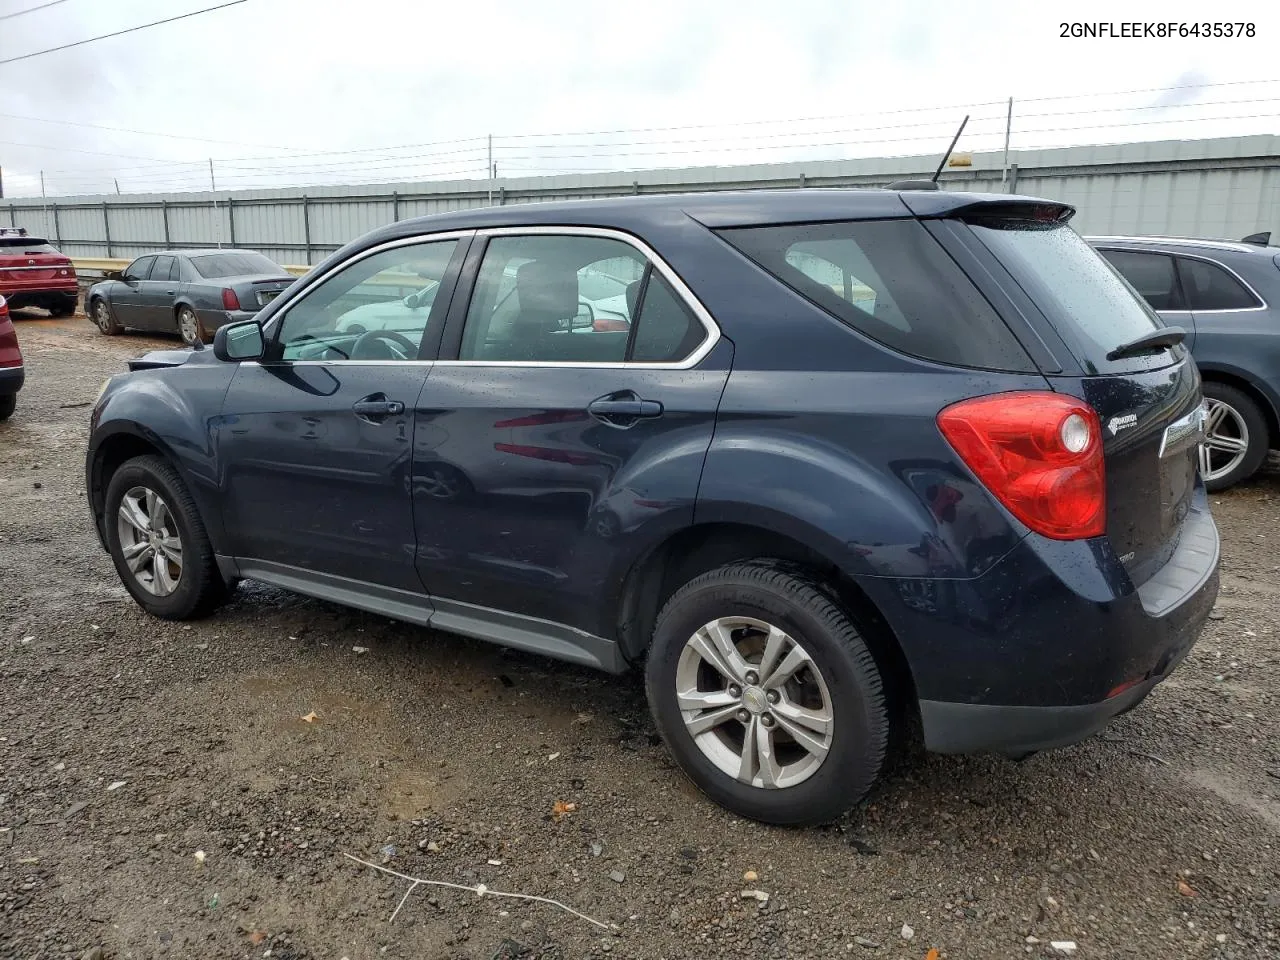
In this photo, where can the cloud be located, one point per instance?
(285, 82)
(1189, 87)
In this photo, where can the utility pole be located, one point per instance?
(1, 183)
(1008, 127)
(213, 192)
(45, 207)
(489, 169)
(117, 180)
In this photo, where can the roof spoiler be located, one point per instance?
(1258, 239)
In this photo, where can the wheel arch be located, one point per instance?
(696, 549)
(120, 442)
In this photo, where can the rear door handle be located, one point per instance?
(617, 409)
(377, 406)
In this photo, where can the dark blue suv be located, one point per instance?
(820, 461)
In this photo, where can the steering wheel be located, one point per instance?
(392, 340)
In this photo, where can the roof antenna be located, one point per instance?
(932, 182)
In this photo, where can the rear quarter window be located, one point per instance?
(1210, 287)
(890, 280)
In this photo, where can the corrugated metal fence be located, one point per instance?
(1224, 188)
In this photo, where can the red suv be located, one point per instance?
(11, 373)
(34, 274)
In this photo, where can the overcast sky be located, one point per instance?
(306, 91)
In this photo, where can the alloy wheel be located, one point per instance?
(1226, 440)
(188, 326)
(755, 702)
(149, 541)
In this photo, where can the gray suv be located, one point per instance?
(1226, 295)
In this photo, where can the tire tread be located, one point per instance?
(209, 590)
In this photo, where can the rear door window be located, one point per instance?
(1151, 274)
(891, 281)
(1209, 287)
(163, 268)
(1092, 308)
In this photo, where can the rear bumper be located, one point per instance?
(42, 297)
(12, 379)
(1016, 730)
(1052, 642)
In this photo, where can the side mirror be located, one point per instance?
(239, 341)
(113, 275)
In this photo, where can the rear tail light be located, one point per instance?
(1040, 453)
(229, 299)
(10, 352)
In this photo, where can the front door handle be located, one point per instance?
(376, 406)
(623, 409)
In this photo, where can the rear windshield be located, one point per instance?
(1082, 295)
(12, 245)
(214, 265)
(890, 280)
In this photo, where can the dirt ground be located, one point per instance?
(162, 795)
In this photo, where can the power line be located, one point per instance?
(1123, 93)
(119, 33)
(51, 3)
(143, 133)
(98, 153)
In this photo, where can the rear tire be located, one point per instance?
(1233, 416)
(64, 308)
(8, 404)
(837, 692)
(190, 328)
(103, 318)
(160, 504)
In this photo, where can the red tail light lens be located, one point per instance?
(10, 352)
(1040, 453)
(229, 299)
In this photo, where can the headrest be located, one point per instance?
(547, 291)
(633, 293)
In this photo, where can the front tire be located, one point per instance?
(103, 318)
(767, 696)
(190, 328)
(158, 541)
(1236, 437)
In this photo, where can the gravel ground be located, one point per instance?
(190, 790)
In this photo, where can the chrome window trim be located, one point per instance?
(710, 327)
(1239, 279)
(271, 326)
(1203, 259)
(350, 363)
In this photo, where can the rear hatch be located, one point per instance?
(28, 263)
(1148, 400)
